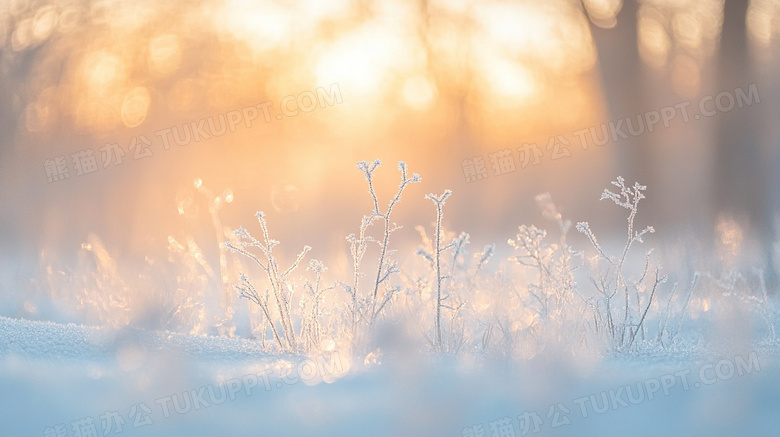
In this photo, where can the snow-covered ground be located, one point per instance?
(71, 380)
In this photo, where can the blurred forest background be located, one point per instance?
(433, 83)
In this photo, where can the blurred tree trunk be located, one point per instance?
(769, 86)
(740, 178)
(623, 86)
(736, 179)
(9, 120)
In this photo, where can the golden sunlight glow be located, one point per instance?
(135, 106)
(124, 18)
(68, 18)
(97, 103)
(44, 23)
(262, 25)
(456, 6)
(164, 55)
(103, 73)
(667, 30)
(687, 29)
(419, 92)
(554, 34)
(508, 79)
(499, 54)
(181, 97)
(654, 43)
(313, 11)
(284, 197)
(603, 13)
(23, 35)
(763, 23)
(760, 26)
(522, 27)
(364, 59)
(731, 238)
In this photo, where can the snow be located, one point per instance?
(62, 375)
(47, 340)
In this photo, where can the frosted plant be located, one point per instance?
(367, 309)
(216, 203)
(621, 327)
(748, 291)
(185, 307)
(101, 294)
(554, 293)
(439, 201)
(311, 308)
(666, 333)
(281, 291)
(453, 282)
(540, 257)
(92, 291)
(482, 260)
(550, 212)
(357, 248)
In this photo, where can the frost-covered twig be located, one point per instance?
(311, 310)
(438, 201)
(612, 279)
(215, 203)
(658, 280)
(385, 268)
(367, 309)
(281, 289)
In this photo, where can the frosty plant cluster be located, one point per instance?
(603, 299)
(620, 323)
